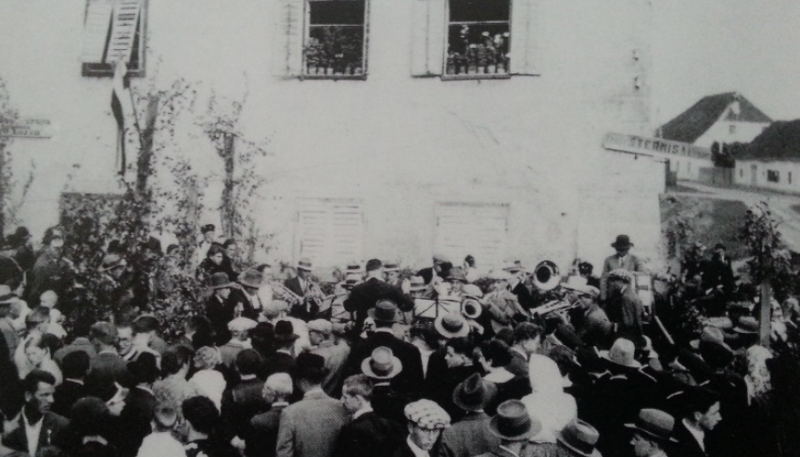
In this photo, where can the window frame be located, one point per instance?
(774, 176)
(474, 76)
(104, 70)
(307, 36)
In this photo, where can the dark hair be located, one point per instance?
(172, 248)
(461, 346)
(52, 233)
(51, 342)
(248, 361)
(564, 358)
(585, 267)
(145, 324)
(373, 264)
(90, 416)
(32, 380)
(37, 316)
(505, 335)
(75, 364)
(497, 352)
(699, 399)
(427, 333)
(228, 242)
(143, 370)
(526, 331)
(174, 358)
(214, 250)
(262, 267)
(470, 260)
(201, 413)
(359, 384)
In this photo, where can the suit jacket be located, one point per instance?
(518, 365)
(626, 311)
(368, 435)
(630, 263)
(310, 427)
(53, 432)
(524, 296)
(364, 296)
(140, 406)
(240, 404)
(261, 437)
(593, 326)
(220, 312)
(66, 395)
(687, 445)
(108, 366)
(468, 437)
(251, 304)
(279, 362)
(409, 379)
(404, 451)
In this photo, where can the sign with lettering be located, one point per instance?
(650, 146)
(28, 128)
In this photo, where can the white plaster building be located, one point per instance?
(411, 148)
(772, 160)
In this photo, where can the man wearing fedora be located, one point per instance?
(622, 260)
(513, 426)
(364, 296)
(368, 433)
(219, 308)
(578, 439)
(652, 431)
(385, 314)
(283, 360)
(471, 435)
(310, 427)
(425, 421)
(245, 299)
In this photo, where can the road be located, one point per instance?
(780, 204)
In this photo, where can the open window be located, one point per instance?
(113, 30)
(478, 38)
(335, 42)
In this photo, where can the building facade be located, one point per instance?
(396, 128)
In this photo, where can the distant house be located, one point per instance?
(772, 159)
(721, 118)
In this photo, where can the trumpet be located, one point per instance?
(284, 293)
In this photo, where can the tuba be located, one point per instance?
(546, 276)
(471, 308)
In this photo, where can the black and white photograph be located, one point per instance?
(399, 228)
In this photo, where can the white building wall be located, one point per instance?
(395, 143)
(725, 131)
(754, 173)
(688, 168)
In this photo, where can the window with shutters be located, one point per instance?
(478, 38)
(329, 231)
(469, 39)
(335, 42)
(479, 230)
(113, 30)
(773, 176)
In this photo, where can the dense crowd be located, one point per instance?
(444, 362)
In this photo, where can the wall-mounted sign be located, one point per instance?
(28, 128)
(642, 145)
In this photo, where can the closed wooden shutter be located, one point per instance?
(476, 229)
(123, 30)
(330, 232)
(290, 30)
(427, 37)
(525, 37)
(95, 30)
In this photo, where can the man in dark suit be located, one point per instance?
(261, 436)
(517, 287)
(75, 368)
(701, 407)
(140, 404)
(283, 360)
(310, 427)
(385, 315)
(245, 299)
(38, 429)
(624, 307)
(368, 433)
(303, 286)
(220, 308)
(718, 281)
(471, 435)
(244, 400)
(364, 296)
(107, 366)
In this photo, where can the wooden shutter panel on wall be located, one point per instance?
(479, 230)
(123, 30)
(290, 29)
(312, 226)
(428, 37)
(525, 32)
(330, 232)
(95, 30)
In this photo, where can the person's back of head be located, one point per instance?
(526, 331)
(175, 358)
(38, 316)
(75, 365)
(201, 414)
(103, 333)
(145, 324)
(248, 362)
(496, 352)
(89, 417)
(358, 385)
(278, 386)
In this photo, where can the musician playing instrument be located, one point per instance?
(309, 292)
(516, 285)
(500, 303)
(590, 322)
(364, 296)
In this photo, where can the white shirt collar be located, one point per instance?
(384, 329)
(519, 351)
(364, 410)
(146, 389)
(509, 451)
(418, 452)
(698, 434)
(76, 381)
(32, 432)
(247, 377)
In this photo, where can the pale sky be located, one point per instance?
(703, 47)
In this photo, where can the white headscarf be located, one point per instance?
(548, 403)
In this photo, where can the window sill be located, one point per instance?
(361, 77)
(476, 76)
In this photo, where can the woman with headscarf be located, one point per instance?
(757, 378)
(210, 381)
(548, 403)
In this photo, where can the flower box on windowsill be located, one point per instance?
(329, 73)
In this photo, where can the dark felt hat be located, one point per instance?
(622, 241)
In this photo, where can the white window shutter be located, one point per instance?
(95, 30)
(525, 37)
(479, 230)
(123, 30)
(290, 29)
(428, 37)
(330, 232)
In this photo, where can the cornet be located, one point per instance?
(284, 293)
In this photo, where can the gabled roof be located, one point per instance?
(691, 124)
(779, 141)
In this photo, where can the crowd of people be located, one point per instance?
(443, 363)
